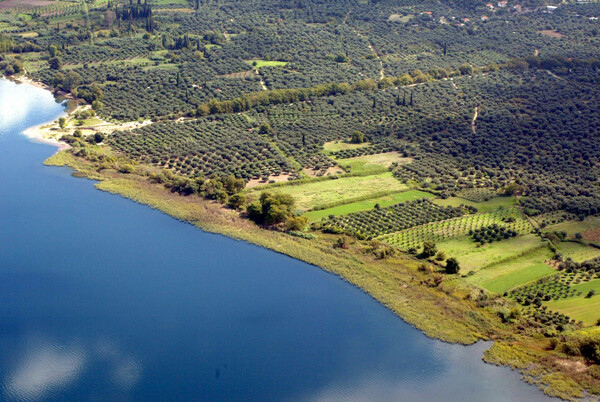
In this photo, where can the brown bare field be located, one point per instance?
(329, 171)
(258, 182)
(240, 75)
(24, 3)
(551, 33)
(592, 236)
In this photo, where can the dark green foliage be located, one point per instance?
(429, 249)
(208, 146)
(271, 209)
(376, 222)
(452, 266)
(492, 233)
(357, 137)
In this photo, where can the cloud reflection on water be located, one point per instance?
(45, 367)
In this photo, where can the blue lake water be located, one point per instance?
(105, 299)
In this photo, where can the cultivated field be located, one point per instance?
(457, 227)
(372, 163)
(518, 271)
(311, 195)
(366, 205)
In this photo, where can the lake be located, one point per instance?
(105, 299)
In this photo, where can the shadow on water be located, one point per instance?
(101, 298)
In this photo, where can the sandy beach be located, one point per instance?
(43, 132)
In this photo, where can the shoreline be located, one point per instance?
(422, 308)
(36, 133)
(436, 313)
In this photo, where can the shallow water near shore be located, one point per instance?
(103, 298)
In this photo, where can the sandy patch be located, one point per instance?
(592, 235)
(330, 171)
(551, 33)
(260, 182)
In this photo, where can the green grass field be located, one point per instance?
(585, 287)
(309, 195)
(484, 206)
(579, 307)
(473, 258)
(578, 252)
(512, 273)
(519, 277)
(372, 163)
(266, 63)
(459, 227)
(384, 201)
(572, 227)
(85, 123)
(335, 146)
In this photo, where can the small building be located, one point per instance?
(484, 18)
(489, 6)
(551, 9)
(466, 20)
(517, 8)
(503, 4)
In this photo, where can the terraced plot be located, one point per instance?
(518, 271)
(350, 189)
(448, 229)
(372, 163)
(473, 257)
(578, 252)
(366, 205)
(484, 206)
(580, 308)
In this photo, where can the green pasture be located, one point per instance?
(580, 307)
(483, 206)
(473, 257)
(572, 227)
(384, 201)
(518, 277)
(312, 194)
(457, 227)
(578, 252)
(335, 146)
(514, 272)
(266, 63)
(372, 163)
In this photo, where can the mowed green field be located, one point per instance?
(358, 206)
(572, 227)
(484, 206)
(266, 63)
(310, 195)
(580, 308)
(335, 146)
(515, 272)
(578, 252)
(369, 163)
(473, 258)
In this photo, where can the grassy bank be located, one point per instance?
(443, 307)
(395, 282)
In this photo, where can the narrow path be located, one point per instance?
(371, 47)
(554, 75)
(262, 82)
(473, 126)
